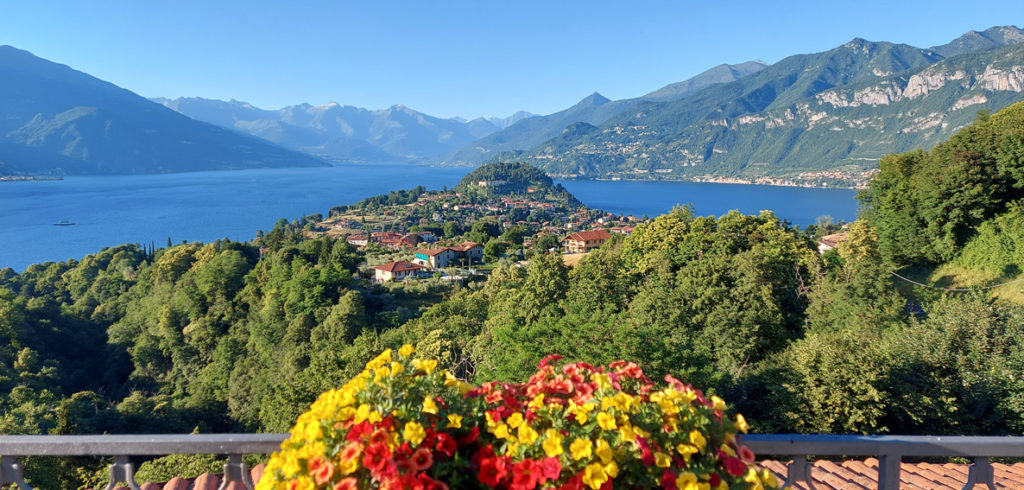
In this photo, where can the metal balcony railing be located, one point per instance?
(888, 449)
(123, 446)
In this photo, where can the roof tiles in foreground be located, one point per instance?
(863, 474)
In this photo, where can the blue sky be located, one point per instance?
(454, 58)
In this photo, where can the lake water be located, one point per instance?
(205, 206)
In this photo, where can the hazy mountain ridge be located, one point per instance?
(57, 120)
(345, 133)
(818, 118)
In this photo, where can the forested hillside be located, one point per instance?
(235, 336)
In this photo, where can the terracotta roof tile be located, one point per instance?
(863, 474)
(206, 481)
(400, 266)
(591, 235)
(177, 483)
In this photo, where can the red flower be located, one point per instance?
(646, 457)
(492, 471)
(525, 475)
(321, 469)
(380, 436)
(550, 468)
(346, 484)
(668, 480)
(352, 450)
(484, 452)
(358, 431)
(446, 444)
(471, 437)
(550, 358)
(746, 454)
(735, 466)
(574, 483)
(407, 481)
(714, 480)
(378, 460)
(421, 459)
(430, 483)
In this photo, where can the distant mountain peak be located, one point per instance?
(593, 100)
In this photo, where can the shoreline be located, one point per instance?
(766, 181)
(29, 178)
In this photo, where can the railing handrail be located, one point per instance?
(140, 444)
(856, 445)
(889, 449)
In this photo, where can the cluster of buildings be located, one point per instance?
(463, 254)
(391, 240)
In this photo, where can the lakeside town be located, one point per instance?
(464, 232)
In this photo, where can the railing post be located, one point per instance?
(889, 472)
(11, 472)
(122, 470)
(980, 472)
(236, 470)
(798, 471)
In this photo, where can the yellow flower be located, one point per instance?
(374, 417)
(685, 450)
(620, 401)
(501, 431)
(414, 432)
(425, 365)
(612, 469)
(362, 413)
(510, 448)
(396, 367)
(717, 403)
(302, 483)
(527, 435)
(349, 466)
(406, 350)
(602, 380)
(580, 448)
(769, 478)
(604, 451)
(741, 424)
(661, 460)
(686, 481)
(553, 443)
(594, 475)
(429, 406)
(537, 402)
(514, 420)
(606, 421)
(697, 439)
(454, 421)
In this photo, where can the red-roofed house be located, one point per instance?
(395, 271)
(468, 252)
(585, 241)
(435, 258)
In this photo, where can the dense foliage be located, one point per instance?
(926, 206)
(513, 178)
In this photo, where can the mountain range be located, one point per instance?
(342, 133)
(822, 118)
(56, 121)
